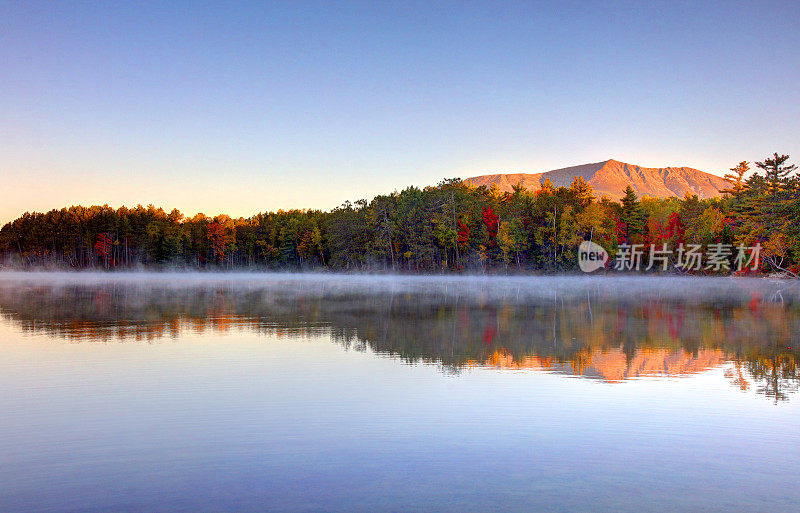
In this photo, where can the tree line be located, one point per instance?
(448, 227)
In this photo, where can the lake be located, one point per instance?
(270, 392)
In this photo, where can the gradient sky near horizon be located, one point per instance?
(241, 107)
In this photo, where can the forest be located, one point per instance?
(450, 227)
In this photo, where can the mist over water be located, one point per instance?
(505, 287)
(323, 392)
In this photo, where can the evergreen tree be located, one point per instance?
(736, 179)
(776, 173)
(633, 215)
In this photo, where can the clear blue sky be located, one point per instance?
(246, 107)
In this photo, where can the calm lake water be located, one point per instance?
(251, 392)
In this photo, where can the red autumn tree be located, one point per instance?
(492, 222)
(620, 230)
(102, 248)
(676, 230)
(656, 231)
(463, 235)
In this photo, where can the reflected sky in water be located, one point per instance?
(342, 393)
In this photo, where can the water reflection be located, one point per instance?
(611, 330)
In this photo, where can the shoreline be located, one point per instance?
(379, 273)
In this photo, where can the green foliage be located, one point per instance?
(448, 227)
(633, 215)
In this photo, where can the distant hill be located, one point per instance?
(609, 178)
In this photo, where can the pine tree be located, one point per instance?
(633, 215)
(776, 172)
(736, 179)
(773, 207)
(770, 211)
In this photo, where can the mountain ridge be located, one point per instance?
(610, 177)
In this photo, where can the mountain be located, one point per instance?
(610, 177)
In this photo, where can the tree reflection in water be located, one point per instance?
(605, 329)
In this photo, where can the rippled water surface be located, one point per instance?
(203, 392)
